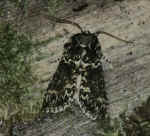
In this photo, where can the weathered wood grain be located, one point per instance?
(127, 83)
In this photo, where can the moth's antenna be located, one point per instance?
(113, 36)
(60, 20)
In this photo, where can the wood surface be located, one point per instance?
(127, 82)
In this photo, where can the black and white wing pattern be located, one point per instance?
(92, 95)
(60, 90)
(79, 78)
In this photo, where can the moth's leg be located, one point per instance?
(92, 97)
(106, 62)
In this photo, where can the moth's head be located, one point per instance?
(84, 41)
(83, 46)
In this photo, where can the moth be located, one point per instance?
(79, 77)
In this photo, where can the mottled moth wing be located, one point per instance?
(92, 97)
(60, 90)
(92, 94)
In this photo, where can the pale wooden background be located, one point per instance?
(127, 83)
